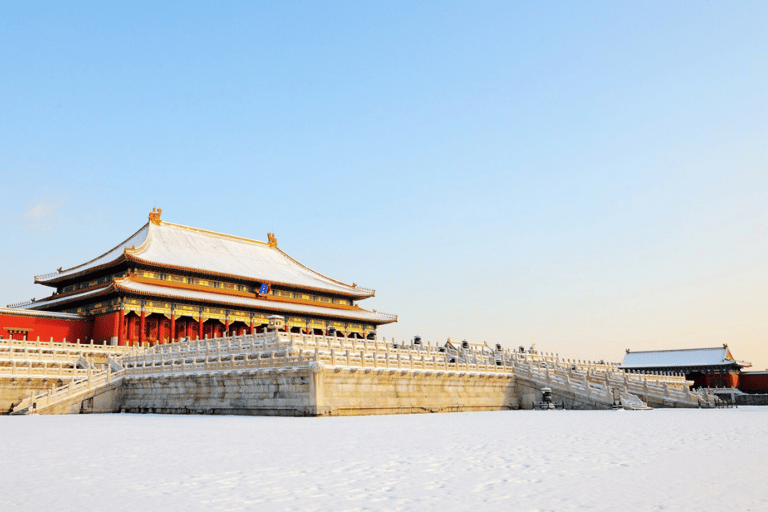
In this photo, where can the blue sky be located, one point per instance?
(588, 177)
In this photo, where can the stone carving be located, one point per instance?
(154, 215)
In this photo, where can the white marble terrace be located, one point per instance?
(593, 380)
(279, 351)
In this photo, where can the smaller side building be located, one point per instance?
(754, 382)
(19, 324)
(706, 367)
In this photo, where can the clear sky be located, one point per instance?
(588, 177)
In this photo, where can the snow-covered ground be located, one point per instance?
(518, 460)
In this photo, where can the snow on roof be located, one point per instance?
(105, 259)
(248, 302)
(40, 314)
(175, 246)
(53, 299)
(674, 358)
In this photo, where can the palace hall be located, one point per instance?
(168, 282)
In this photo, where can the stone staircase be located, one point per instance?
(71, 396)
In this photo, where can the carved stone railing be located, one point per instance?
(40, 355)
(64, 346)
(269, 350)
(41, 370)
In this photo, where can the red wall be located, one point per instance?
(105, 326)
(722, 380)
(714, 380)
(45, 328)
(754, 382)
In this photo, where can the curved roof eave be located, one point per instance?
(363, 293)
(112, 257)
(54, 300)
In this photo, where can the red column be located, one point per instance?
(120, 324)
(172, 334)
(250, 329)
(129, 331)
(226, 326)
(142, 326)
(200, 328)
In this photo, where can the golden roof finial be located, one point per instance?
(154, 215)
(272, 240)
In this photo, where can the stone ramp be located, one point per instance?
(595, 388)
(631, 402)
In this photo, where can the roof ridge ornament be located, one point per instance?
(154, 215)
(272, 240)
